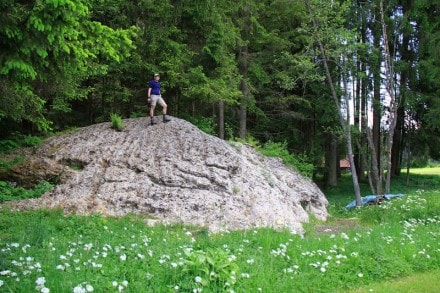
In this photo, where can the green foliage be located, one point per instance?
(428, 184)
(116, 122)
(9, 163)
(18, 141)
(70, 63)
(418, 282)
(9, 192)
(122, 254)
(205, 124)
(59, 47)
(211, 269)
(297, 162)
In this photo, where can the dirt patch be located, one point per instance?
(335, 226)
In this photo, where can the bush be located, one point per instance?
(116, 122)
(17, 141)
(297, 162)
(205, 124)
(9, 192)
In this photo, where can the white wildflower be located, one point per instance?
(40, 281)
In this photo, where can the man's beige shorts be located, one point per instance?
(157, 99)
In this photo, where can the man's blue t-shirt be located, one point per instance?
(155, 87)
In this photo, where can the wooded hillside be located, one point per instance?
(313, 74)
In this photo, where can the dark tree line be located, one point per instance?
(247, 68)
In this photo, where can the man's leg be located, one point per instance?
(152, 115)
(164, 111)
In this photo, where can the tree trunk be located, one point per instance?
(344, 124)
(221, 119)
(362, 86)
(397, 150)
(377, 112)
(243, 107)
(390, 86)
(243, 61)
(331, 161)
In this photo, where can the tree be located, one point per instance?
(48, 48)
(426, 105)
(341, 40)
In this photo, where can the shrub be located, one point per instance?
(205, 124)
(212, 269)
(9, 163)
(18, 141)
(297, 162)
(116, 122)
(9, 192)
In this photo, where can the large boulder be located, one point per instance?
(174, 173)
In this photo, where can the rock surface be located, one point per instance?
(173, 172)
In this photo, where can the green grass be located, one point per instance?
(116, 122)
(428, 171)
(367, 248)
(417, 283)
(342, 194)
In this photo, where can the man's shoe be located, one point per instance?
(165, 120)
(152, 122)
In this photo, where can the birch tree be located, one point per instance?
(330, 51)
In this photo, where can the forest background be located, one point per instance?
(253, 70)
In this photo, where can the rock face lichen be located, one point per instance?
(175, 173)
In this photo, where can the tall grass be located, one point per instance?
(116, 122)
(342, 194)
(42, 251)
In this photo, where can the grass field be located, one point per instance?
(416, 283)
(424, 171)
(386, 248)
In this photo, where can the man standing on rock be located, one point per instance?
(155, 97)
